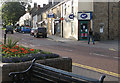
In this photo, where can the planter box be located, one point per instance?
(60, 63)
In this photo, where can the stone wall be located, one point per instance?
(60, 63)
(101, 17)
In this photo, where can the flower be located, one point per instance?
(7, 48)
(31, 49)
(22, 49)
(17, 46)
(3, 47)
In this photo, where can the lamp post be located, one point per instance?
(5, 37)
(108, 18)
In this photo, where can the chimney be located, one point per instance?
(35, 5)
(44, 5)
(50, 3)
(38, 6)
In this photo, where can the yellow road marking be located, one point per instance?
(96, 69)
(112, 49)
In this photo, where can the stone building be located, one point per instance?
(105, 19)
(73, 19)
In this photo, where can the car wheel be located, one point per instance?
(46, 36)
(12, 32)
(36, 36)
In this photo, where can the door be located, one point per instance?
(83, 30)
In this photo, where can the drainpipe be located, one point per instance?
(62, 20)
(108, 19)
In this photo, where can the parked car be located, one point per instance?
(40, 31)
(25, 30)
(32, 31)
(9, 29)
(18, 29)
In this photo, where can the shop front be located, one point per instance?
(57, 26)
(84, 24)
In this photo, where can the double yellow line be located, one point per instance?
(96, 69)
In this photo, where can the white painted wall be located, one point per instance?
(67, 25)
(35, 21)
(26, 16)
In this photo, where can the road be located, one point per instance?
(85, 56)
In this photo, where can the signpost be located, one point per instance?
(5, 38)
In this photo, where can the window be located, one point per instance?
(72, 9)
(65, 9)
(58, 12)
(72, 6)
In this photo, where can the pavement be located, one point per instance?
(111, 45)
(106, 44)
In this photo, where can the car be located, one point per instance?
(32, 31)
(25, 29)
(9, 29)
(40, 31)
(18, 29)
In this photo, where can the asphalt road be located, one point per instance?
(83, 55)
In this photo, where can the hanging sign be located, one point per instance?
(71, 16)
(84, 16)
(50, 15)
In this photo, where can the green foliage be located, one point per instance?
(12, 11)
(11, 43)
(45, 52)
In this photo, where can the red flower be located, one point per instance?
(8, 52)
(31, 49)
(19, 52)
(0, 45)
(3, 47)
(17, 46)
(7, 48)
(22, 49)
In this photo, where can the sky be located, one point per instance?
(39, 2)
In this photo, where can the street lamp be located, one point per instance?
(108, 18)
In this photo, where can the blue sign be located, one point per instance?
(71, 16)
(50, 15)
(83, 16)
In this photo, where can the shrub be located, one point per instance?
(11, 43)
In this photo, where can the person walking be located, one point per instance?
(90, 36)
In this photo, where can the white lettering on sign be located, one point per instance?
(84, 16)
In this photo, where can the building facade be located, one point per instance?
(105, 18)
(73, 19)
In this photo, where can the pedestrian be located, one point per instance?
(90, 36)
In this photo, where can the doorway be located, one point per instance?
(83, 30)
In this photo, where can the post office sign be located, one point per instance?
(84, 16)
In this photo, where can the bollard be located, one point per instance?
(5, 38)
